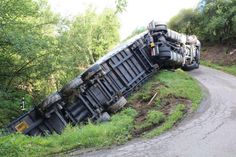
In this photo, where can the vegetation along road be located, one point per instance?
(209, 132)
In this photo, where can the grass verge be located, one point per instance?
(114, 132)
(155, 108)
(228, 69)
(177, 93)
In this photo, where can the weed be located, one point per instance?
(175, 116)
(153, 118)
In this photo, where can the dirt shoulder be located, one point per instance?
(220, 54)
(220, 57)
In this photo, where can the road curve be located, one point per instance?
(210, 132)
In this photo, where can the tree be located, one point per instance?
(25, 37)
(212, 20)
(26, 40)
(218, 17)
(186, 21)
(87, 38)
(120, 5)
(40, 51)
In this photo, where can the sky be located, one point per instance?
(138, 12)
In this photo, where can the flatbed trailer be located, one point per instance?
(103, 88)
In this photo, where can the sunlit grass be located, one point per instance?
(174, 117)
(153, 118)
(180, 84)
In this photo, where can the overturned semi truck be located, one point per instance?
(103, 88)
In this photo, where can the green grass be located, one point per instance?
(114, 132)
(180, 84)
(120, 128)
(176, 84)
(228, 69)
(153, 118)
(173, 84)
(174, 117)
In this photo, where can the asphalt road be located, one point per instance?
(210, 132)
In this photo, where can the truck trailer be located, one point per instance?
(103, 88)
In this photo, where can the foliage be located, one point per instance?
(10, 105)
(185, 21)
(40, 51)
(121, 5)
(89, 37)
(26, 39)
(213, 21)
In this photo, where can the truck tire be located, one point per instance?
(118, 105)
(90, 72)
(190, 67)
(195, 64)
(164, 53)
(71, 85)
(198, 56)
(50, 100)
(161, 28)
(104, 117)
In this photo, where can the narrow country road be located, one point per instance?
(211, 132)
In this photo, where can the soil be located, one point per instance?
(220, 54)
(166, 106)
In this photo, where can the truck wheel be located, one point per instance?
(50, 100)
(164, 53)
(195, 64)
(71, 85)
(161, 28)
(198, 57)
(190, 67)
(118, 105)
(90, 72)
(104, 117)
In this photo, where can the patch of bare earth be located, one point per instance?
(220, 54)
(166, 106)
